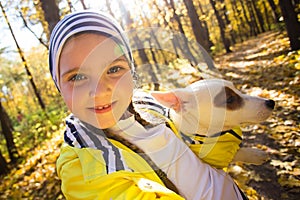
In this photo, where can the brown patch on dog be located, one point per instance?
(228, 99)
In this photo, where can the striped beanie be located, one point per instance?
(85, 21)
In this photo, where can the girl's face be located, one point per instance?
(95, 79)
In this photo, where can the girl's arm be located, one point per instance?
(194, 179)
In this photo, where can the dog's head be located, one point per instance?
(213, 104)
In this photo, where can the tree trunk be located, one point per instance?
(29, 75)
(158, 48)
(227, 21)
(177, 39)
(7, 132)
(259, 16)
(238, 18)
(139, 45)
(253, 23)
(201, 34)
(3, 165)
(51, 13)
(248, 22)
(166, 24)
(266, 15)
(205, 26)
(70, 6)
(83, 4)
(291, 23)
(222, 27)
(107, 3)
(275, 12)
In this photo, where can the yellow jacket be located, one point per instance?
(220, 150)
(83, 175)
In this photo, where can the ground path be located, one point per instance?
(264, 66)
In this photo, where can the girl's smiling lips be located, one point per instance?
(103, 108)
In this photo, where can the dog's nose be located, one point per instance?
(270, 103)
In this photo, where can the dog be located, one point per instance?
(208, 109)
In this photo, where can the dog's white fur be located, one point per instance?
(203, 108)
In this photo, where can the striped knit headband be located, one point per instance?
(84, 21)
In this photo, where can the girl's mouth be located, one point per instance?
(102, 109)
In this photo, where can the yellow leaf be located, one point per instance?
(289, 181)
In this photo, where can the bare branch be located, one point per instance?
(37, 37)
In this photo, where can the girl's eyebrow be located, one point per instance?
(70, 71)
(120, 59)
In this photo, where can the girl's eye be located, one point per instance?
(114, 69)
(77, 77)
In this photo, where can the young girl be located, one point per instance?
(109, 152)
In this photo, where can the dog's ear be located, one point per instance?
(168, 99)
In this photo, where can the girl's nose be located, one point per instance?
(99, 87)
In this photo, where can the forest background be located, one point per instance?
(254, 43)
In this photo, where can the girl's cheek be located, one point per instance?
(125, 81)
(68, 94)
(69, 100)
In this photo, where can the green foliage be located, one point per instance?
(31, 124)
(35, 127)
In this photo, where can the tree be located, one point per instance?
(253, 23)
(176, 42)
(70, 6)
(201, 34)
(266, 14)
(257, 12)
(291, 23)
(3, 165)
(7, 130)
(51, 14)
(167, 24)
(275, 11)
(136, 39)
(244, 13)
(83, 4)
(21, 54)
(227, 20)
(147, 22)
(238, 19)
(222, 26)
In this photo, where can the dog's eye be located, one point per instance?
(230, 99)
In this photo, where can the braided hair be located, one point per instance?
(161, 174)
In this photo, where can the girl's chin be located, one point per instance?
(101, 121)
(98, 122)
(103, 124)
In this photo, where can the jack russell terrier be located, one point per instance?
(208, 114)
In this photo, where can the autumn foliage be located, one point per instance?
(253, 43)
